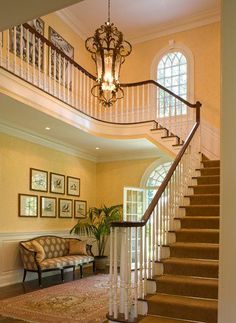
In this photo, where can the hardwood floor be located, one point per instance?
(30, 286)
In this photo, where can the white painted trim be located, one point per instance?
(162, 160)
(180, 26)
(35, 138)
(182, 48)
(195, 21)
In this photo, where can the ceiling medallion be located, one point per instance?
(109, 50)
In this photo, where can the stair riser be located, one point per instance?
(210, 171)
(209, 271)
(207, 237)
(206, 190)
(211, 163)
(208, 180)
(182, 311)
(203, 200)
(188, 289)
(201, 253)
(199, 223)
(202, 211)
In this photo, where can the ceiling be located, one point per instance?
(24, 10)
(141, 19)
(28, 123)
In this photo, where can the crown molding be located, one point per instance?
(23, 134)
(195, 21)
(46, 142)
(133, 156)
(72, 22)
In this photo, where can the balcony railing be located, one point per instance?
(30, 56)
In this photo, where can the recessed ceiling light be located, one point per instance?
(47, 128)
(97, 148)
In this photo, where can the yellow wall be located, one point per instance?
(113, 176)
(204, 43)
(81, 55)
(101, 183)
(17, 156)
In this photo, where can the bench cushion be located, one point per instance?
(60, 262)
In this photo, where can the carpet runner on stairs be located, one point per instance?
(188, 289)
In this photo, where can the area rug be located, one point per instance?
(84, 301)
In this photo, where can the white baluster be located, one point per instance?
(21, 50)
(115, 276)
(111, 273)
(14, 48)
(33, 58)
(8, 48)
(39, 62)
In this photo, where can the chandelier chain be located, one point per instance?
(109, 11)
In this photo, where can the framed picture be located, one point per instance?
(80, 209)
(38, 180)
(48, 207)
(27, 205)
(62, 66)
(38, 25)
(57, 183)
(65, 208)
(73, 186)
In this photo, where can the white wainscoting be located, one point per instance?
(11, 269)
(210, 140)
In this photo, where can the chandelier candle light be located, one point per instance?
(109, 50)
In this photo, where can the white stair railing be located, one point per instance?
(30, 56)
(139, 262)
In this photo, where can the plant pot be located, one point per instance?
(101, 262)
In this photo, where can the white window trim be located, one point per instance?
(180, 47)
(151, 168)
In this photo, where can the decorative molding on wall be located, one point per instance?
(195, 21)
(34, 138)
(210, 140)
(11, 271)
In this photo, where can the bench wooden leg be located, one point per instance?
(81, 271)
(40, 277)
(62, 275)
(24, 275)
(94, 267)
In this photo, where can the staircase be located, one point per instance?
(187, 291)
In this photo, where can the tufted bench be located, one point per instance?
(47, 253)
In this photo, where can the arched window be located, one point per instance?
(155, 179)
(172, 73)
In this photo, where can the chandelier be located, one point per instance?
(108, 49)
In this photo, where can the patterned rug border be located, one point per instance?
(77, 302)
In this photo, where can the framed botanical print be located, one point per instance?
(57, 183)
(48, 207)
(80, 209)
(73, 186)
(27, 205)
(38, 180)
(59, 65)
(65, 208)
(18, 42)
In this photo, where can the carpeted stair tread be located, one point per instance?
(187, 286)
(194, 250)
(205, 188)
(183, 307)
(208, 179)
(200, 222)
(197, 235)
(201, 210)
(209, 170)
(191, 267)
(203, 199)
(211, 163)
(161, 319)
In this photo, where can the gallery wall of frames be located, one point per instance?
(68, 205)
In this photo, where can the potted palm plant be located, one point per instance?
(97, 225)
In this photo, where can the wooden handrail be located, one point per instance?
(83, 70)
(165, 182)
